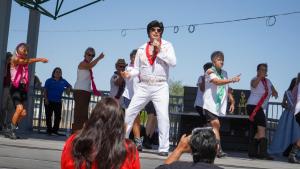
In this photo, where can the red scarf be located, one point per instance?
(151, 59)
(261, 100)
(20, 70)
(95, 91)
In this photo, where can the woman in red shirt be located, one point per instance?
(101, 143)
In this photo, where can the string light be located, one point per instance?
(176, 29)
(270, 21)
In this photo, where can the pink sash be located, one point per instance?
(95, 91)
(261, 100)
(21, 74)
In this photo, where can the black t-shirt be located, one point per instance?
(188, 165)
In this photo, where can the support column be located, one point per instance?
(32, 41)
(5, 10)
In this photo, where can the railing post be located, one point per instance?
(40, 110)
(5, 11)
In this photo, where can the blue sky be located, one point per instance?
(245, 44)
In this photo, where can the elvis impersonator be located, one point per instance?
(152, 63)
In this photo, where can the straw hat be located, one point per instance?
(121, 62)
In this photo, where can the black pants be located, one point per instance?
(56, 107)
(203, 120)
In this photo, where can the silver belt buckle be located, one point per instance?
(152, 81)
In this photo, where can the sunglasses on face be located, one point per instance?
(90, 54)
(156, 30)
(121, 67)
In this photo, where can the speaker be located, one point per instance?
(189, 97)
(234, 133)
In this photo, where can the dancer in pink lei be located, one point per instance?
(20, 84)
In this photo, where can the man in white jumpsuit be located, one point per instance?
(152, 63)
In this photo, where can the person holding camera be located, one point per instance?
(202, 144)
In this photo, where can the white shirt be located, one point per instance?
(83, 81)
(297, 108)
(258, 92)
(159, 71)
(113, 88)
(199, 97)
(210, 93)
(130, 84)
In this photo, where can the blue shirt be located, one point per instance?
(55, 88)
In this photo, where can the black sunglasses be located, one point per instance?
(156, 29)
(89, 54)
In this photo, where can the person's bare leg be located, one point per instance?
(261, 132)
(136, 128)
(22, 115)
(17, 114)
(150, 128)
(151, 125)
(216, 128)
(215, 124)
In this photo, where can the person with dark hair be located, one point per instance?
(7, 105)
(202, 145)
(37, 82)
(101, 143)
(199, 97)
(287, 131)
(296, 146)
(53, 90)
(127, 96)
(130, 83)
(152, 63)
(216, 95)
(20, 84)
(261, 91)
(82, 88)
(117, 82)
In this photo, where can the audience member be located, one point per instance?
(101, 143)
(203, 146)
(54, 88)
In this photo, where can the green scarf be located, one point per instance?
(220, 89)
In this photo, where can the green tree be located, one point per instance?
(175, 87)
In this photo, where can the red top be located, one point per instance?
(67, 162)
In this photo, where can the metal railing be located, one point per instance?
(39, 117)
(273, 113)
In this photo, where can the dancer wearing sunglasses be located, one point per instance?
(152, 63)
(82, 88)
